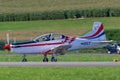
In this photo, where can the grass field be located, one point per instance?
(66, 58)
(59, 73)
(72, 27)
(18, 6)
(109, 23)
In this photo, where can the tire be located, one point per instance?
(53, 59)
(24, 60)
(45, 60)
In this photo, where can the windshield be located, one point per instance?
(49, 37)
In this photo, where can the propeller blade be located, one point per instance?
(8, 40)
(7, 45)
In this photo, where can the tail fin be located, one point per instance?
(97, 32)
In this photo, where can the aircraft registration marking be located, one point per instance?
(85, 43)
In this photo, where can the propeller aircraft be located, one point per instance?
(57, 44)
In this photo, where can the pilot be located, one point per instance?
(44, 39)
(47, 37)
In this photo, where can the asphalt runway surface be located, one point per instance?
(54, 64)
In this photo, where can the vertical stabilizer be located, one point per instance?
(97, 32)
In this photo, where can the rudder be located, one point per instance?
(97, 32)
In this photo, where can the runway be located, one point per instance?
(57, 64)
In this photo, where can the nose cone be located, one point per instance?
(7, 47)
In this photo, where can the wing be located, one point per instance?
(59, 50)
(104, 42)
(100, 44)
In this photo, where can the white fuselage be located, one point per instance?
(41, 47)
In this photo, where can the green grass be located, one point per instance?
(18, 6)
(85, 24)
(59, 73)
(68, 58)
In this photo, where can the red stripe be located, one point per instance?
(67, 38)
(30, 45)
(99, 30)
(72, 39)
(46, 52)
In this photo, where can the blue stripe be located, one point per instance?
(103, 33)
(27, 42)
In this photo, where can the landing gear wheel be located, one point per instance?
(53, 59)
(24, 60)
(45, 60)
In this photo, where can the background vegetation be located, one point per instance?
(23, 6)
(26, 10)
(66, 14)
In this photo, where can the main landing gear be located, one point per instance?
(53, 58)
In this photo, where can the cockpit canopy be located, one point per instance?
(49, 37)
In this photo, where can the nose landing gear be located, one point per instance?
(24, 58)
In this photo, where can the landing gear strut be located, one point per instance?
(53, 59)
(24, 58)
(45, 59)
